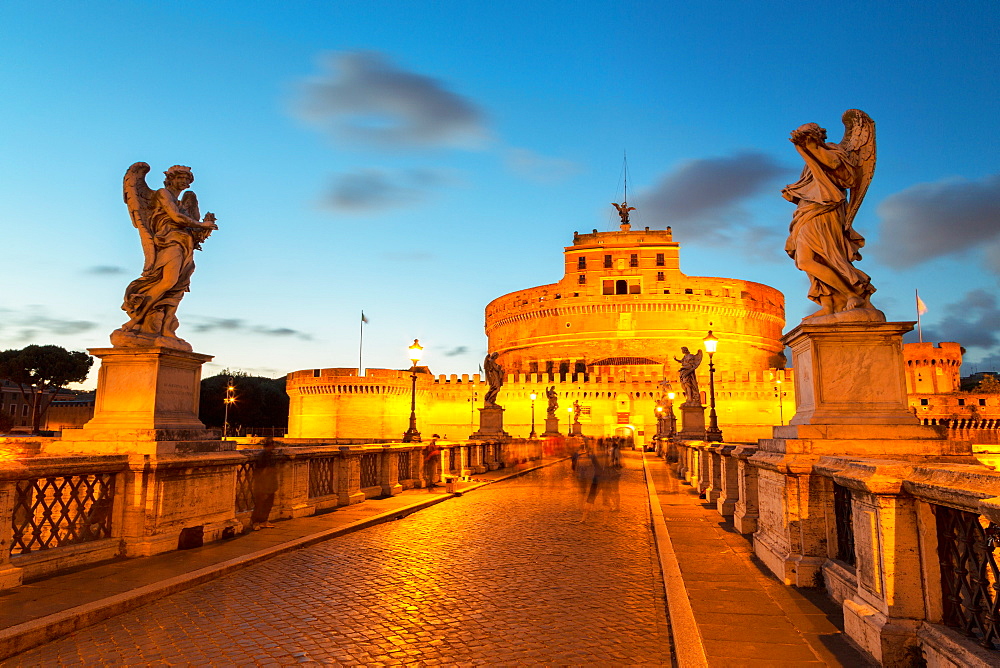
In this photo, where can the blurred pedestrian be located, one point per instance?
(616, 453)
(265, 485)
(589, 475)
(432, 462)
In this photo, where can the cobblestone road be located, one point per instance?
(507, 574)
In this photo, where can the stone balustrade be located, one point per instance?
(909, 549)
(67, 511)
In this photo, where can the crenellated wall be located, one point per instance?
(337, 403)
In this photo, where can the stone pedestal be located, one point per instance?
(692, 423)
(850, 398)
(849, 373)
(147, 403)
(551, 427)
(576, 429)
(727, 477)
(745, 514)
(490, 424)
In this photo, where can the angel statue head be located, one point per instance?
(179, 173)
(812, 130)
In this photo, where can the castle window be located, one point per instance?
(633, 260)
(666, 292)
(581, 279)
(659, 259)
(982, 402)
(633, 289)
(688, 291)
(621, 287)
(581, 262)
(659, 275)
(316, 373)
(608, 288)
(607, 262)
(961, 402)
(708, 292)
(923, 402)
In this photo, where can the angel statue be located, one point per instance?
(171, 229)
(494, 376)
(689, 376)
(623, 210)
(821, 238)
(553, 397)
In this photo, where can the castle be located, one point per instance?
(605, 336)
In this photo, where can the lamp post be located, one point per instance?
(781, 402)
(671, 419)
(412, 435)
(533, 434)
(229, 399)
(713, 433)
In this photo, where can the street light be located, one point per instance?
(412, 435)
(713, 433)
(781, 402)
(533, 434)
(229, 399)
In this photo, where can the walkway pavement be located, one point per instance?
(743, 615)
(507, 574)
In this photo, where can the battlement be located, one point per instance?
(932, 368)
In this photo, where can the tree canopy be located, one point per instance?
(40, 371)
(260, 402)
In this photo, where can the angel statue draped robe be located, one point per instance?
(821, 238)
(170, 230)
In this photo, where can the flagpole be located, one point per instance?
(920, 331)
(361, 344)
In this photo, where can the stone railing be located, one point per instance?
(910, 549)
(63, 512)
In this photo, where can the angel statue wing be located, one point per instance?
(697, 359)
(189, 205)
(138, 198)
(859, 139)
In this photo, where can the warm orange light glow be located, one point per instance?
(671, 395)
(659, 409)
(533, 396)
(415, 351)
(711, 342)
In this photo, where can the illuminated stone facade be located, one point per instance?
(605, 336)
(933, 379)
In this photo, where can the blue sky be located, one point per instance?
(417, 160)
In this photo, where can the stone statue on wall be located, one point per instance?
(553, 397)
(689, 376)
(494, 376)
(821, 238)
(171, 230)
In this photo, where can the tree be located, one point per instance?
(260, 402)
(988, 385)
(40, 371)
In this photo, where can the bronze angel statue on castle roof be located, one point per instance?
(170, 229)
(821, 237)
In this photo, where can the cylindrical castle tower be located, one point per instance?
(623, 297)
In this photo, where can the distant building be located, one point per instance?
(934, 388)
(605, 336)
(15, 408)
